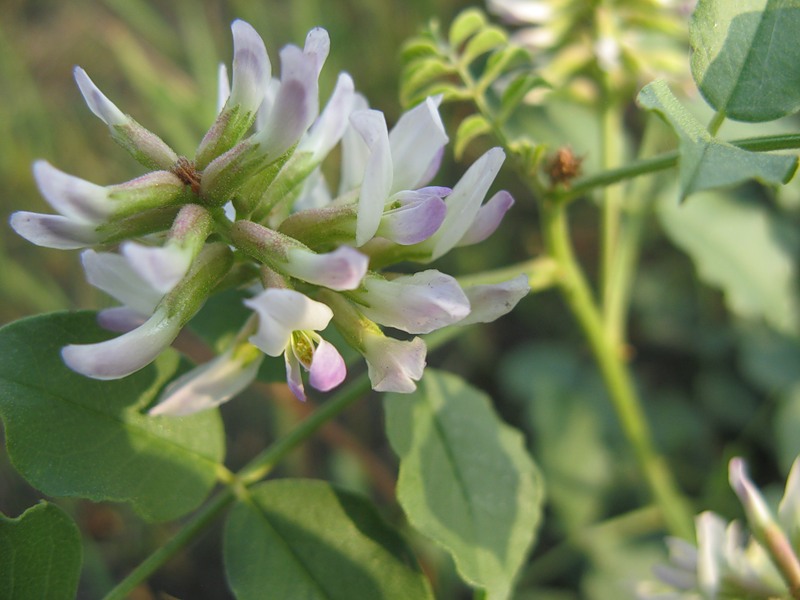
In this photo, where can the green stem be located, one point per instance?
(583, 185)
(616, 376)
(261, 465)
(716, 122)
(188, 533)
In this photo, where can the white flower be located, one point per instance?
(288, 322)
(393, 365)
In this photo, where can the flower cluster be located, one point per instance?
(253, 209)
(726, 563)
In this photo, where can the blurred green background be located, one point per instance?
(715, 384)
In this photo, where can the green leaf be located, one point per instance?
(706, 162)
(422, 73)
(485, 41)
(69, 435)
(467, 24)
(40, 555)
(466, 479)
(518, 88)
(470, 128)
(745, 250)
(417, 48)
(306, 539)
(746, 59)
(503, 60)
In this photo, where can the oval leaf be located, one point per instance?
(40, 555)
(466, 479)
(706, 162)
(470, 128)
(69, 435)
(746, 59)
(743, 249)
(307, 539)
(485, 41)
(467, 24)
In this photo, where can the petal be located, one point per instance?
(355, 152)
(294, 376)
(223, 87)
(282, 311)
(160, 266)
(465, 201)
(332, 123)
(377, 182)
(73, 197)
(342, 269)
(327, 367)
(488, 218)
(113, 274)
(516, 12)
(121, 319)
(251, 68)
(416, 141)
(492, 301)
(101, 106)
(53, 231)
(317, 47)
(207, 385)
(418, 303)
(296, 104)
(394, 365)
(710, 546)
(123, 355)
(413, 222)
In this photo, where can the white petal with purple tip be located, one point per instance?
(73, 197)
(160, 266)
(492, 301)
(488, 219)
(416, 141)
(418, 303)
(251, 68)
(327, 367)
(207, 385)
(317, 46)
(394, 365)
(332, 123)
(415, 221)
(342, 269)
(123, 355)
(101, 106)
(294, 375)
(53, 231)
(114, 275)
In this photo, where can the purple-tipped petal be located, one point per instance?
(101, 106)
(327, 367)
(465, 201)
(317, 47)
(282, 311)
(54, 231)
(295, 107)
(160, 266)
(418, 303)
(413, 222)
(488, 218)
(207, 386)
(123, 355)
(294, 376)
(377, 182)
(342, 269)
(332, 123)
(416, 142)
(73, 197)
(114, 275)
(120, 319)
(394, 365)
(492, 301)
(251, 68)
